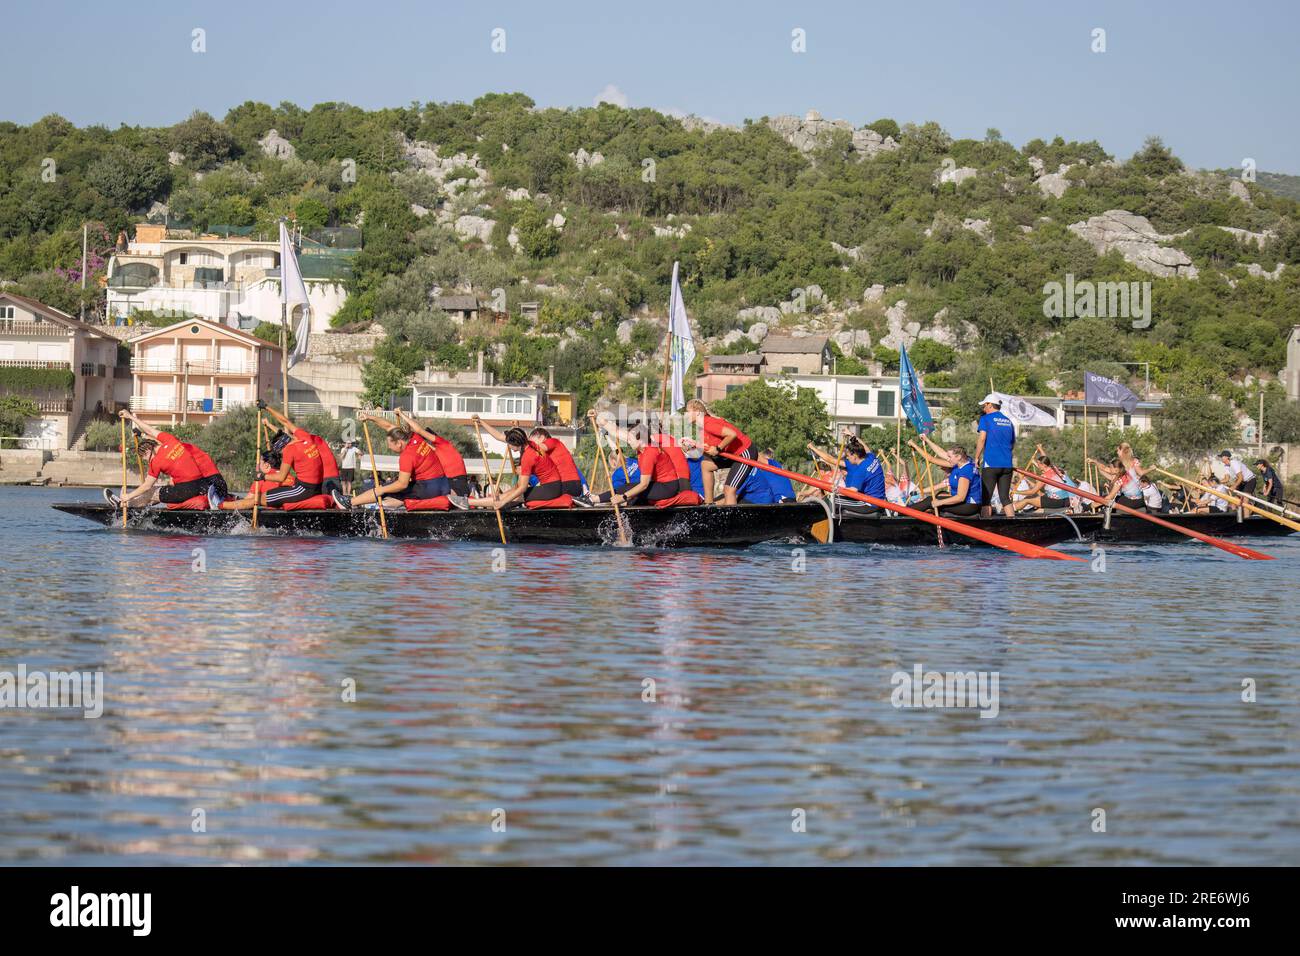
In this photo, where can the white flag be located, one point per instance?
(1024, 412)
(681, 343)
(293, 291)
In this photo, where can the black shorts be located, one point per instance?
(1248, 487)
(1049, 503)
(737, 473)
(1139, 503)
(572, 487)
(997, 478)
(175, 494)
(295, 492)
(459, 485)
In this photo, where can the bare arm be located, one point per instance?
(145, 429)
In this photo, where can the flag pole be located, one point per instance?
(284, 353)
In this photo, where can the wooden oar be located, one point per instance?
(600, 453)
(123, 421)
(1239, 550)
(1023, 548)
(374, 476)
(1235, 498)
(501, 526)
(257, 456)
(139, 462)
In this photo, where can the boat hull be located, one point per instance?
(1044, 530)
(1130, 528)
(738, 526)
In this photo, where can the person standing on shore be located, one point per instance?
(349, 462)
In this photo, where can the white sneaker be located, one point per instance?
(459, 501)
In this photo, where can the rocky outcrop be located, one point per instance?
(584, 160)
(980, 227)
(811, 131)
(276, 146)
(768, 314)
(954, 174)
(1255, 269)
(757, 332)
(854, 253)
(475, 227)
(873, 293)
(1237, 188)
(1055, 184)
(1137, 241)
(1245, 235)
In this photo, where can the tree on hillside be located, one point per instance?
(202, 141)
(775, 419)
(128, 178)
(1194, 424)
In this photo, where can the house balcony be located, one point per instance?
(174, 367)
(193, 406)
(33, 329)
(15, 363)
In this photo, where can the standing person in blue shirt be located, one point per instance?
(994, 454)
(861, 469)
(782, 489)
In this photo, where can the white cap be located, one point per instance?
(991, 399)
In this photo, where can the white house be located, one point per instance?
(78, 370)
(864, 400)
(230, 280)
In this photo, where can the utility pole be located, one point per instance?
(85, 232)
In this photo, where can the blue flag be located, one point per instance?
(913, 400)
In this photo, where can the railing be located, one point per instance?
(194, 368)
(16, 363)
(21, 327)
(194, 406)
(28, 442)
(54, 406)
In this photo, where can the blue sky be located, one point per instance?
(1217, 81)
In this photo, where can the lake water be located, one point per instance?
(515, 698)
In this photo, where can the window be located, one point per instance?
(732, 388)
(434, 403)
(473, 402)
(184, 258)
(862, 396)
(885, 404)
(514, 405)
(6, 311)
(792, 369)
(1128, 419)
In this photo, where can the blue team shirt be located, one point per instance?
(779, 484)
(629, 477)
(999, 439)
(697, 479)
(866, 476)
(756, 490)
(975, 491)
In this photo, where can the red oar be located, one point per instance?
(1023, 548)
(1239, 550)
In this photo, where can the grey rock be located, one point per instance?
(1055, 184)
(811, 131)
(874, 293)
(276, 146)
(1237, 188)
(1255, 269)
(475, 227)
(757, 332)
(955, 174)
(1137, 241)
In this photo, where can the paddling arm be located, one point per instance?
(145, 428)
(145, 487)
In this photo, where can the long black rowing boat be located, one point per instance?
(739, 526)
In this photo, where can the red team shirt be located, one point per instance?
(543, 466)
(419, 459)
(174, 459)
(558, 453)
(658, 464)
(713, 435)
(304, 458)
(453, 466)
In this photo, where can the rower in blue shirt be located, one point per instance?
(781, 487)
(995, 454)
(964, 490)
(862, 472)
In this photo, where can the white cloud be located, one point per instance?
(611, 94)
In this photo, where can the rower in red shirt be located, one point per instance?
(570, 477)
(192, 475)
(329, 464)
(548, 492)
(660, 482)
(719, 435)
(453, 465)
(421, 484)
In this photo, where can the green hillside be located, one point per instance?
(754, 219)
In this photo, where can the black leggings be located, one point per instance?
(965, 509)
(459, 485)
(175, 494)
(999, 478)
(658, 491)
